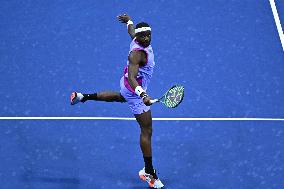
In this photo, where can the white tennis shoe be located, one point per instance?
(153, 183)
(76, 98)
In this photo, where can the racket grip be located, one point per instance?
(154, 101)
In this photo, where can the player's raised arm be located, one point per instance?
(124, 18)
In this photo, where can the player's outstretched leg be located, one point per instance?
(102, 96)
(148, 173)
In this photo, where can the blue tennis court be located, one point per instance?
(227, 54)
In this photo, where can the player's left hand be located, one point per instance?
(147, 101)
(123, 18)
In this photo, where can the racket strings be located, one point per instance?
(174, 96)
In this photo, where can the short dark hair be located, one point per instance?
(141, 24)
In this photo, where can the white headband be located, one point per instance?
(138, 30)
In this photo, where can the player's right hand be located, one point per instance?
(123, 18)
(147, 101)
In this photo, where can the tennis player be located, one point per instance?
(133, 87)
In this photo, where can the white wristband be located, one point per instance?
(129, 22)
(139, 90)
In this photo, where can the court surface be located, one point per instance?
(227, 54)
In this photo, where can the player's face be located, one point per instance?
(144, 38)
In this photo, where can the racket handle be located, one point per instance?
(154, 101)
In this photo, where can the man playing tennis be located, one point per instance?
(133, 84)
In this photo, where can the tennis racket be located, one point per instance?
(172, 98)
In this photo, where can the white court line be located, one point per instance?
(131, 119)
(277, 22)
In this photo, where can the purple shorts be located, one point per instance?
(135, 103)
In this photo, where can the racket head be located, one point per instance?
(173, 97)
